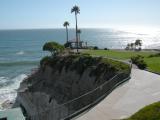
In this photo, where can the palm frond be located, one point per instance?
(66, 23)
(75, 9)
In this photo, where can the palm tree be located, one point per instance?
(128, 47)
(79, 38)
(76, 10)
(79, 34)
(132, 46)
(138, 43)
(66, 24)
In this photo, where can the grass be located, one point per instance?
(153, 63)
(116, 64)
(117, 54)
(150, 112)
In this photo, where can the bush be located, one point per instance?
(81, 62)
(85, 54)
(45, 60)
(53, 47)
(67, 44)
(138, 60)
(119, 66)
(106, 49)
(154, 55)
(95, 48)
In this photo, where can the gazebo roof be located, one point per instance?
(74, 41)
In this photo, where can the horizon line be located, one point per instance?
(56, 28)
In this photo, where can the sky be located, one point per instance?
(29, 14)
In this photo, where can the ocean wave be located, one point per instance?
(4, 81)
(18, 63)
(20, 53)
(9, 92)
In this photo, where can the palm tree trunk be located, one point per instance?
(79, 37)
(76, 32)
(67, 33)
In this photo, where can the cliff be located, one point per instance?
(64, 78)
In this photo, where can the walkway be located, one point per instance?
(142, 89)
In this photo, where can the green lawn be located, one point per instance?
(152, 63)
(150, 112)
(117, 54)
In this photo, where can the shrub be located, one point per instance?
(95, 48)
(45, 60)
(120, 66)
(154, 55)
(85, 54)
(138, 60)
(53, 47)
(81, 62)
(106, 49)
(67, 44)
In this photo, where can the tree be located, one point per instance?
(79, 34)
(128, 47)
(138, 44)
(53, 47)
(95, 48)
(66, 24)
(76, 10)
(132, 46)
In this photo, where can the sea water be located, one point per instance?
(21, 50)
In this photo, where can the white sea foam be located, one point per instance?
(9, 93)
(3, 80)
(20, 53)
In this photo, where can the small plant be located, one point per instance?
(138, 60)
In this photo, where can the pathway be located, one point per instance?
(142, 89)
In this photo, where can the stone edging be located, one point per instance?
(152, 72)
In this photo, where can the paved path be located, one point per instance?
(142, 89)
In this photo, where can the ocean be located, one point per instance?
(21, 50)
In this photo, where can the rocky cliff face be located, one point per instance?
(61, 79)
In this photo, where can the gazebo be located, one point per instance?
(73, 44)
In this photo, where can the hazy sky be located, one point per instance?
(15, 14)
